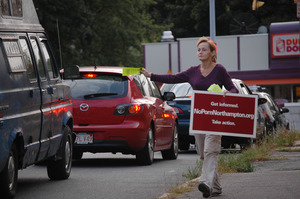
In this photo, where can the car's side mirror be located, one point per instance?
(71, 72)
(169, 96)
(284, 110)
(261, 100)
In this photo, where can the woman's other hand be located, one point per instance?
(146, 73)
(225, 92)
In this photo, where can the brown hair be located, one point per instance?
(211, 45)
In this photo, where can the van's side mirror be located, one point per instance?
(71, 72)
(169, 96)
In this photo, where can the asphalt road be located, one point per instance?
(107, 176)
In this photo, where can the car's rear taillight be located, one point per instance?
(90, 75)
(128, 109)
(177, 110)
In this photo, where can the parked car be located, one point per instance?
(127, 114)
(275, 117)
(166, 88)
(35, 105)
(182, 106)
(280, 102)
(261, 121)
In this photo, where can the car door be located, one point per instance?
(155, 109)
(46, 98)
(163, 116)
(56, 89)
(275, 111)
(166, 121)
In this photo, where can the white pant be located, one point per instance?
(209, 147)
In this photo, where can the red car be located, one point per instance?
(127, 114)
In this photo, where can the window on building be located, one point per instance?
(288, 93)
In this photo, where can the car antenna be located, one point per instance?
(59, 47)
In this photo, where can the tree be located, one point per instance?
(190, 18)
(105, 32)
(98, 32)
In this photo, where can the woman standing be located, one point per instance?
(201, 77)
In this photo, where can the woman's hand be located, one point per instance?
(146, 73)
(225, 92)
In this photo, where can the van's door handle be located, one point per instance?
(44, 91)
(4, 107)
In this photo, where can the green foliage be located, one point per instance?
(98, 32)
(194, 172)
(190, 18)
(285, 138)
(231, 163)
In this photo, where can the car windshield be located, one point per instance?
(182, 90)
(102, 86)
(166, 88)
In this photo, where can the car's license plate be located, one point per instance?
(84, 138)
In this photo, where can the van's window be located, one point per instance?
(38, 59)
(28, 61)
(14, 55)
(53, 73)
(12, 8)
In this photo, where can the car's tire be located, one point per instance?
(183, 143)
(172, 153)
(246, 145)
(77, 155)
(9, 175)
(146, 156)
(59, 169)
(228, 145)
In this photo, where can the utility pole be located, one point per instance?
(212, 20)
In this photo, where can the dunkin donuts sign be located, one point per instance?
(286, 45)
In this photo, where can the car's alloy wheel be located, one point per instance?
(146, 156)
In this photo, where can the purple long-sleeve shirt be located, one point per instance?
(192, 75)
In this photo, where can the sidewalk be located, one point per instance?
(270, 179)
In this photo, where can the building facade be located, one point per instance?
(269, 61)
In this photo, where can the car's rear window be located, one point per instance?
(101, 86)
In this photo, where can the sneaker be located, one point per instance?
(204, 189)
